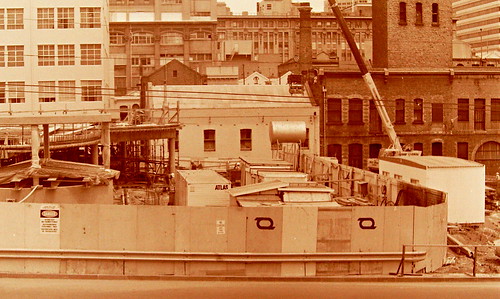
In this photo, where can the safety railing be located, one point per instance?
(401, 269)
(245, 257)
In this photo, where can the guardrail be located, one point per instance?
(246, 257)
(403, 255)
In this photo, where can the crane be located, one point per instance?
(396, 149)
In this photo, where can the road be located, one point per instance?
(101, 288)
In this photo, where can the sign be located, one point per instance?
(221, 187)
(220, 227)
(49, 219)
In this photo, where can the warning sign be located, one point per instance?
(49, 219)
(221, 227)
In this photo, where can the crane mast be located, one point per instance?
(379, 104)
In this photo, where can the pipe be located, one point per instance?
(29, 194)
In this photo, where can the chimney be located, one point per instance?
(305, 49)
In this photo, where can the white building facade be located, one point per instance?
(54, 56)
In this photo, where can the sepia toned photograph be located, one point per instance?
(250, 149)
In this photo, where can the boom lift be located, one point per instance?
(395, 149)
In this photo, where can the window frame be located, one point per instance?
(90, 54)
(90, 17)
(65, 54)
(16, 88)
(46, 91)
(334, 111)
(66, 91)
(356, 111)
(400, 117)
(209, 140)
(15, 18)
(418, 111)
(245, 139)
(495, 109)
(463, 109)
(15, 55)
(419, 14)
(435, 14)
(91, 90)
(45, 17)
(65, 18)
(437, 112)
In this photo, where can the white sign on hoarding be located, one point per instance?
(49, 219)
(221, 227)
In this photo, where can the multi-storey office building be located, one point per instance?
(479, 25)
(145, 35)
(434, 108)
(54, 55)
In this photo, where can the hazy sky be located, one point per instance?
(250, 5)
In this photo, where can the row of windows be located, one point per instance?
(355, 114)
(146, 38)
(48, 91)
(209, 141)
(419, 15)
(90, 54)
(352, 24)
(52, 18)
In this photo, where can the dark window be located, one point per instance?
(437, 149)
(209, 140)
(335, 150)
(402, 13)
(400, 111)
(246, 139)
(355, 111)
(356, 155)
(437, 112)
(418, 111)
(435, 13)
(174, 74)
(495, 109)
(479, 114)
(463, 110)
(418, 16)
(123, 112)
(418, 146)
(463, 150)
(374, 150)
(334, 107)
(375, 121)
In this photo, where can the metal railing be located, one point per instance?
(243, 257)
(404, 259)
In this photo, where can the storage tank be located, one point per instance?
(287, 131)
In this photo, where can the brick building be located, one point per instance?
(434, 107)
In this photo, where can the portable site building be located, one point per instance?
(284, 176)
(463, 180)
(203, 187)
(250, 167)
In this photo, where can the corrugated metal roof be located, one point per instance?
(226, 96)
(56, 169)
(255, 188)
(278, 203)
(281, 174)
(203, 176)
(432, 161)
(307, 189)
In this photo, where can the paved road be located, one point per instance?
(92, 288)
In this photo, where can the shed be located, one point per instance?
(203, 187)
(462, 180)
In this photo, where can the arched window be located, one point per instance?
(142, 38)
(172, 38)
(419, 19)
(116, 38)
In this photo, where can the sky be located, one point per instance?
(237, 6)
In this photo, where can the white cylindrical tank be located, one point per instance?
(287, 131)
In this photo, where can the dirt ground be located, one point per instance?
(487, 261)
